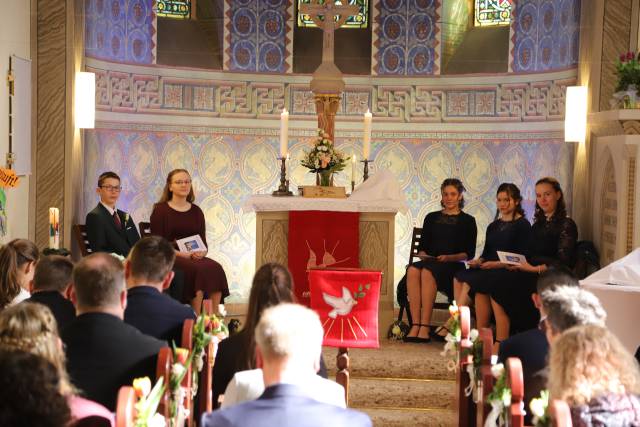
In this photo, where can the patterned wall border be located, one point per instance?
(437, 100)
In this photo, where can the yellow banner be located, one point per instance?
(8, 178)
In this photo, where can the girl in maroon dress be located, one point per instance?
(175, 217)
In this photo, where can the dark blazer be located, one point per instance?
(285, 405)
(156, 314)
(62, 309)
(104, 353)
(103, 234)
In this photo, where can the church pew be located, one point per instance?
(187, 342)
(465, 405)
(125, 407)
(163, 369)
(205, 380)
(516, 384)
(342, 374)
(485, 379)
(560, 413)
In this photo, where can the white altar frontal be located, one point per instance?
(377, 236)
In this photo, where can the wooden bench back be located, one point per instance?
(486, 379)
(516, 384)
(80, 234)
(465, 405)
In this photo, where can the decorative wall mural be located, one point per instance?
(229, 167)
(258, 35)
(406, 37)
(121, 30)
(545, 35)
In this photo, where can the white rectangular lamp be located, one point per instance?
(575, 117)
(85, 100)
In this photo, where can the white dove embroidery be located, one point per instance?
(341, 305)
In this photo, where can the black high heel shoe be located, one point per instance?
(417, 339)
(412, 339)
(436, 335)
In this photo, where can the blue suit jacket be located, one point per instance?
(156, 314)
(285, 405)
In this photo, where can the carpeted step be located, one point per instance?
(394, 360)
(407, 416)
(389, 392)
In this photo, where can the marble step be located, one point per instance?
(394, 360)
(400, 392)
(407, 416)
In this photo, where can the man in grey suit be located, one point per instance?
(288, 345)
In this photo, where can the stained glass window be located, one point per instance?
(493, 12)
(180, 9)
(361, 20)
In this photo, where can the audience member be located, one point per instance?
(32, 328)
(272, 285)
(103, 352)
(289, 343)
(148, 273)
(110, 229)
(50, 287)
(17, 263)
(596, 376)
(30, 392)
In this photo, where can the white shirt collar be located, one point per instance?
(109, 208)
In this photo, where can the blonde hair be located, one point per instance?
(13, 256)
(588, 361)
(31, 327)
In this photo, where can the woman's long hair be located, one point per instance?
(561, 207)
(588, 361)
(31, 327)
(457, 184)
(272, 285)
(13, 256)
(513, 192)
(168, 194)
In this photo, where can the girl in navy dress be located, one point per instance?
(448, 238)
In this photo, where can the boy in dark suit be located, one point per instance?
(108, 228)
(103, 352)
(50, 286)
(148, 273)
(288, 345)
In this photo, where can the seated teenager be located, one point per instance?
(17, 264)
(50, 286)
(448, 238)
(103, 352)
(110, 229)
(148, 273)
(32, 328)
(288, 345)
(597, 377)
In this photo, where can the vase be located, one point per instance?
(324, 178)
(626, 98)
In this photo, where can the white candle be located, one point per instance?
(284, 132)
(54, 228)
(366, 137)
(354, 163)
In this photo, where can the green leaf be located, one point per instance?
(361, 294)
(367, 286)
(355, 295)
(360, 288)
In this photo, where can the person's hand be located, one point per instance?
(490, 265)
(181, 254)
(475, 263)
(198, 254)
(442, 258)
(422, 255)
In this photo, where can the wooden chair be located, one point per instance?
(516, 384)
(163, 369)
(187, 342)
(465, 405)
(486, 379)
(145, 228)
(125, 407)
(80, 234)
(560, 413)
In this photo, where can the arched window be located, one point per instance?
(179, 9)
(361, 20)
(492, 12)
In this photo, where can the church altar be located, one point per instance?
(376, 236)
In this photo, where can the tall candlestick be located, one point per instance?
(54, 228)
(284, 132)
(366, 137)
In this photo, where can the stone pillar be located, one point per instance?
(326, 107)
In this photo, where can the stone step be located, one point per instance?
(376, 392)
(407, 416)
(394, 360)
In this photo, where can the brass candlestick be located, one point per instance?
(283, 189)
(365, 175)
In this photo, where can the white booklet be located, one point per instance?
(511, 258)
(191, 244)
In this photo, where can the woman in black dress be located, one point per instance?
(509, 232)
(448, 238)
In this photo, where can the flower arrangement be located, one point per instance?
(148, 401)
(539, 408)
(182, 360)
(453, 338)
(323, 158)
(628, 71)
(499, 398)
(473, 369)
(206, 329)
